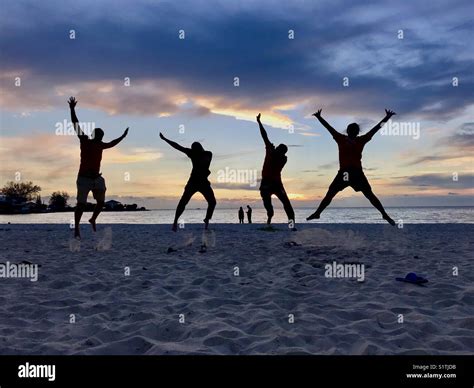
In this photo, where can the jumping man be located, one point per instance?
(89, 177)
(350, 165)
(198, 182)
(275, 160)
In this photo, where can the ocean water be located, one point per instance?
(414, 215)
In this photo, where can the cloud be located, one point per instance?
(444, 181)
(285, 79)
(132, 155)
(462, 139)
(433, 158)
(328, 166)
(459, 146)
(42, 156)
(145, 97)
(249, 41)
(53, 160)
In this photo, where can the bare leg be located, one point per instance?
(267, 202)
(283, 197)
(208, 194)
(179, 210)
(378, 205)
(98, 208)
(323, 205)
(77, 219)
(188, 193)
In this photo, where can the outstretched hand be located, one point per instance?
(258, 117)
(317, 114)
(162, 136)
(389, 113)
(126, 132)
(72, 102)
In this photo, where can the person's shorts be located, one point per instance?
(86, 184)
(195, 185)
(350, 177)
(271, 187)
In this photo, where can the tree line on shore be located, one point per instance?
(24, 198)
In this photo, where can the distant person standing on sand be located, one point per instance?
(89, 177)
(198, 182)
(275, 160)
(350, 165)
(241, 215)
(249, 214)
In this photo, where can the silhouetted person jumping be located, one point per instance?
(198, 182)
(350, 165)
(241, 215)
(89, 177)
(249, 214)
(275, 160)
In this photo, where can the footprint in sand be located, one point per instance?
(74, 245)
(105, 241)
(186, 240)
(208, 238)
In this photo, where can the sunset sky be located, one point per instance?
(426, 77)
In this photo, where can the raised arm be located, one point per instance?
(388, 114)
(263, 132)
(113, 143)
(175, 145)
(326, 125)
(75, 121)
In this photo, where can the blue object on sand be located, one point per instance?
(413, 278)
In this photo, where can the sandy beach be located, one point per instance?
(142, 289)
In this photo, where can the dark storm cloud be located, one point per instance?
(250, 41)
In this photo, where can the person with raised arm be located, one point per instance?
(271, 184)
(350, 164)
(89, 177)
(198, 181)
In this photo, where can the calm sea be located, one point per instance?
(331, 215)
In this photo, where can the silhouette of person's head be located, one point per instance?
(97, 134)
(241, 208)
(282, 149)
(248, 206)
(196, 146)
(353, 130)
